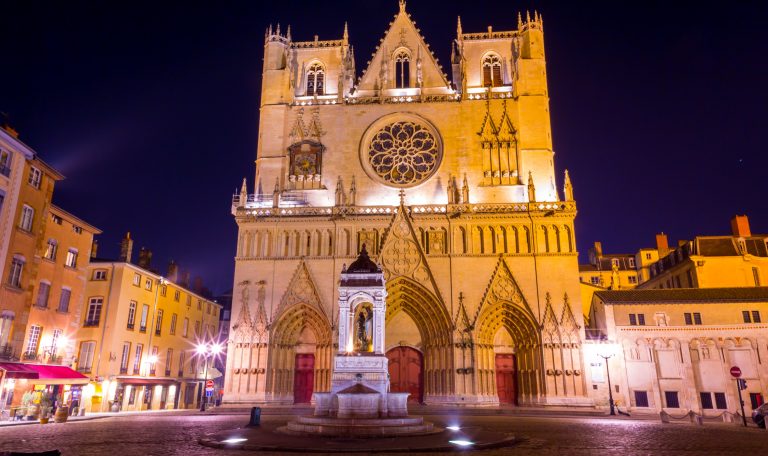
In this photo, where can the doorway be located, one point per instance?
(406, 372)
(506, 378)
(303, 378)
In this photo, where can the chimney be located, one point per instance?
(197, 285)
(95, 248)
(662, 244)
(185, 279)
(126, 248)
(595, 253)
(740, 226)
(173, 271)
(145, 258)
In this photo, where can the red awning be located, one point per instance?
(18, 370)
(44, 374)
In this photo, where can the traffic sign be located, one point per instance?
(208, 393)
(735, 372)
(209, 383)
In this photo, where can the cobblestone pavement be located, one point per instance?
(177, 434)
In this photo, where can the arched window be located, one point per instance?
(492, 71)
(402, 69)
(315, 79)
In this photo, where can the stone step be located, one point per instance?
(357, 430)
(324, 420)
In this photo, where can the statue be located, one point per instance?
(363, 340)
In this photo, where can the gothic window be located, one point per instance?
(492, 71)
(316, 80)
(402, 153)
(402, 69)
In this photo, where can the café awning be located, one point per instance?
(44, 374)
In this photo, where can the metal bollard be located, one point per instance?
(255, 416)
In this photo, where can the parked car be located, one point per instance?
(760, 414)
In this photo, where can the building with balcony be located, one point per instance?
(138, 338)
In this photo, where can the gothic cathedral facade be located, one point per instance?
(450, 184)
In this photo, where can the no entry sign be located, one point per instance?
(209, 383)
(735, 372)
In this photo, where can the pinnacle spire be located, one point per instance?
(402, 6)
(458, 28)
(288, 32)
(531, 188)
(567, 187)
(346, 32)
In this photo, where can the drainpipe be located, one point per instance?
(104, 327)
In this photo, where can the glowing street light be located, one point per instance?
(608, 351)
(207, 350)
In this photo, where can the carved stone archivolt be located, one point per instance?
(301, 290)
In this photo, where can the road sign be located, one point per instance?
(208, 393)
(209, 383)
(735, 372)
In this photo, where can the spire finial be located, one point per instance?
(277, 32)
(567, 187)
(531, 188)
(346, 32)
(402, 196)
(402, 6)
(519, 20)
(458, 28)
(288, 33)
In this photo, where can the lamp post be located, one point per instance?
(611, 404)
(206, 350)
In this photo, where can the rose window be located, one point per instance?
(403, 153)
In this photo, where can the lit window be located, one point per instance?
(148, 284)
(144, 316)
(131, 314)
(173, 323)
(33, 341)
(56, 219)
(27, 216)
(492, 71)
(315, 79)
(159, 325)
(71, 260)
(51, 249)
(185, 328)
(137, 280)
(594, 280)
(137, 358)
(402, 69)
(124, 358)
(35, 177)
(631, 262)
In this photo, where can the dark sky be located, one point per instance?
(151, 109)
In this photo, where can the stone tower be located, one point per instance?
(448, 181)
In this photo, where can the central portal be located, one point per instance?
(405, 372)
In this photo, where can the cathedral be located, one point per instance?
(446, 178)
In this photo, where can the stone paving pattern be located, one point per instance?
(178, 433)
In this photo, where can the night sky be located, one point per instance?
(151, 109)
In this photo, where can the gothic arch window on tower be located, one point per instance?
(316, 79)
(402, 69)
(492, 71)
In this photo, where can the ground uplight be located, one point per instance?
(453, 428)
(234, 440)
(462, 443)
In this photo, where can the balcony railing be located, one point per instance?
(157, 332)
(123, 370)
(142, 329)
(167, 372)
(151, 370)
(130, 326)
(29, 356)
(7, 353)
(84, 369)
(90, 323)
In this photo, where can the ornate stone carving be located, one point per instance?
(401, 150)
(301, 289)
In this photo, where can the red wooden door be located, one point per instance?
(506, 378)
(406, 374)
(303, 378)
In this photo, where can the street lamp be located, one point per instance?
(607, 352)
(207, 351)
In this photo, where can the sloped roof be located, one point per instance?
(684, 295)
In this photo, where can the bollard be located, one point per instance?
(255, 416)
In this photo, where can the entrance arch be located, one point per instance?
(435, 330)
(406, 374)
(509, 331)
(300, 355)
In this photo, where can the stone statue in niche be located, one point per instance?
(363, 331)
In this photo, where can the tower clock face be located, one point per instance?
(305, 164)
(401, 150)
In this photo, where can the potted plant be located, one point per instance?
(45, 408)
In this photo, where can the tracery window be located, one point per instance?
(492, 71)
(402, 69)
(403, 153)
(316, 79)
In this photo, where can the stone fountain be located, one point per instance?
(360, 403)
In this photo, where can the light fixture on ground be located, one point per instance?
(207, 351)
